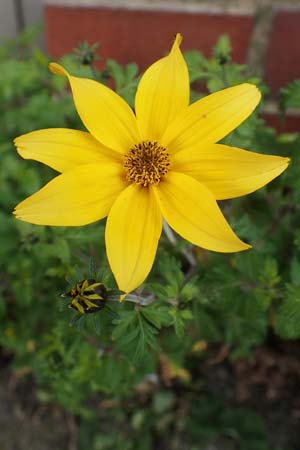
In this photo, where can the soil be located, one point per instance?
(268, 383)
(24, 423)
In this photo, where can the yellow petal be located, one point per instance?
(191, 210)
(228, 172)
(76, 197)
(211, 118)
(106, 115)
(162, 92)
(132, 232)
(63, 149)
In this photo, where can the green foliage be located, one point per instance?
(287, 323)
(217, 72)
(125, 78)
(133, 328)
(224, 427)
(163, 424)
(191, 296)
(290, 96)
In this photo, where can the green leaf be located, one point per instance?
(180, 319)
(287, 323)
(295, 272)
(134, 333)
(125, 78)
(289, 96)
(222, 49)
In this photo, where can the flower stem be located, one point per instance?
(187, 252)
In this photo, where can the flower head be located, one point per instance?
(137, 168)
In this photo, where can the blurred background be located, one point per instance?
(265, 34)
(223, 371)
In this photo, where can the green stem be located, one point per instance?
(174, 241)
(94, 73)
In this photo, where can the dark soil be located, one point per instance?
(268, 383)
(24, 423)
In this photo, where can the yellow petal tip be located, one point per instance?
(256, 89)
(258, 92)
(240, 248)
(250, 87)
(284, 163)
(16, 214)
(178, 40)
(16, 142)
(122, 297)
(58, 69)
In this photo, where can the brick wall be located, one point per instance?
(264, 33)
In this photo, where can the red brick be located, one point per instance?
(139, 35)
(290, 124)
(283, 57)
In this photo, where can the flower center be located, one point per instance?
(146, 163)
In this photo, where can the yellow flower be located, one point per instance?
(161, 162)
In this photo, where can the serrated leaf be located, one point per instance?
(158, 316)
(134, 331)
(180, 318)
